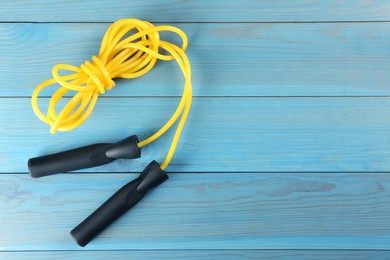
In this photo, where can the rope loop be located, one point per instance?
(129, 49)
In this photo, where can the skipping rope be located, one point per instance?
(130, 48)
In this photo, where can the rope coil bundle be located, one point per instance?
(121, 56)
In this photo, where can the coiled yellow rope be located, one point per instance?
(120, 56)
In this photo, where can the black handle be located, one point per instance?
(84, 157)
(118, 204)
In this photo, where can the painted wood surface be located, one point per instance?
(285, 155)
(200, 254)
(195, 11)
(222, 134)
(309, 59)
(203, 211)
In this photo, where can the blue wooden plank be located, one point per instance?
(200, 254)
(194, 11)
(227, 59)
(203, 211)
(222, 134)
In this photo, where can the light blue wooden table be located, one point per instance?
(286, 153)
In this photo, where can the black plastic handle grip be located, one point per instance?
(123, 200)
(84, 157)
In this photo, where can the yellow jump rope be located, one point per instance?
(121, 55)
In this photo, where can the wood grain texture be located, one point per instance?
(339, 59)
(200, 254)
(195, 11)
(285, 155)
(203, 211)
(222, 134)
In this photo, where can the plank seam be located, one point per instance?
(219, 172)
(200, 249)
(107, 96)
(192, 22)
